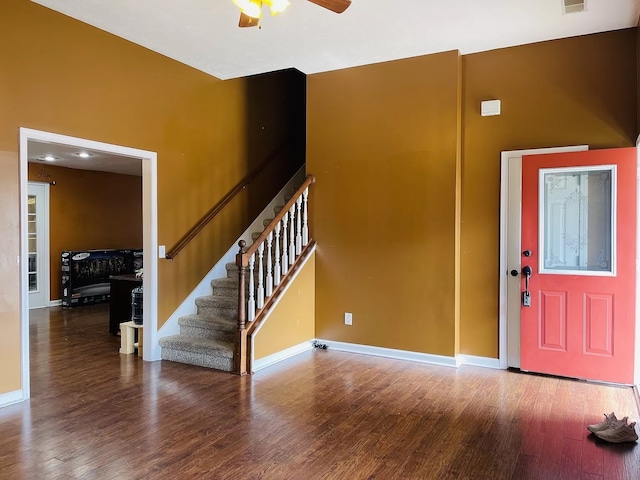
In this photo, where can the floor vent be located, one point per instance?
(574, 6)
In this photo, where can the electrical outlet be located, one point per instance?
(348, 320)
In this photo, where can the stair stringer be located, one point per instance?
(188, 306)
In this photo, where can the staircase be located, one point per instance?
(207, 338)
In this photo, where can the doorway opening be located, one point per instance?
(511, 283)
(30, 138)
(510, 247)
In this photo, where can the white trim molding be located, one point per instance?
(406, 355)
(55, 303)
(282, 355)
(391, 353)
(10, 398)
(511, 163)
(475, 361)
(150, 238)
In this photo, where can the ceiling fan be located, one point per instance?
(251, 10)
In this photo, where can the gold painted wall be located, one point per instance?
(382, 141)
(9, 271)
(566, 92)
(292, 322)
(89, 210)
(62, 76)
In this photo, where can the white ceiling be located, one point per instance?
(68, 156)
(204, 33)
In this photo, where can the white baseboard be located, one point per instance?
(283, 355)
(413, 356)
(391, 353)
(55, 303)
(479, 361)
(10, 398)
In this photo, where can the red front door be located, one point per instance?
(579, 238)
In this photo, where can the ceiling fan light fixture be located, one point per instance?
(251, 8)
(277, 6)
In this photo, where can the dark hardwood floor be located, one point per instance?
(96, 414)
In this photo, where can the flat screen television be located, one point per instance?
(85, 273)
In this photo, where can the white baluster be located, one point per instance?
(251, 303)
(285, 258)
(299, 225)
(292, 246)
(305, 217)
(276, 273)
(269, 289)
(260, 302)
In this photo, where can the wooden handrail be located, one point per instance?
(218, 207)
(309, 180)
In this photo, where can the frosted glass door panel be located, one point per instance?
(578, 220)
(32, 232)
(38, 244)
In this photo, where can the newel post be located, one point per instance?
(240, 354)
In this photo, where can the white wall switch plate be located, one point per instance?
(161, 251)
(348, 319)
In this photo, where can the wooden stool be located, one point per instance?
(127, 338)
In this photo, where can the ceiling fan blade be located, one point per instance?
(247, 21)
(337, 6)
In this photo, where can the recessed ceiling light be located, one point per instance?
(49, 158)
(84, 155)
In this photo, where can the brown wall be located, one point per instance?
(567, 92)
(292, 321)
(89, 210)
(382, 141)
(63, 76)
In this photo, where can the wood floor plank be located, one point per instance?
(97, 414)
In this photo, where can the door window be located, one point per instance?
(32, 234)
(577, 209)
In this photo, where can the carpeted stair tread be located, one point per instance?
(212, 322)
(221, 301)
(227, 282)
(208, 346)
(202, 352)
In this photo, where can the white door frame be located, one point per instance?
(42, 220)
(509, 325)
(150, 239)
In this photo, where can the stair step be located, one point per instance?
(203, 352)
(215, 327)
(227, 284)
(225, 306)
